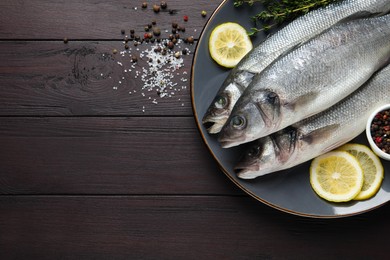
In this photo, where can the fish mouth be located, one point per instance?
(246, 170)
(214, 125)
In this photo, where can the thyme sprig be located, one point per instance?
(280, 11)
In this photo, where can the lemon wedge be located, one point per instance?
(372, 167)
(336, 176)
(228, 44)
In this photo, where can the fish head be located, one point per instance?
(219, 110)
(222, 105)
(267, 154)
(255, 115)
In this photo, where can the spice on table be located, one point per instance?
(174, 25)
(123, 31)
(154, 22)
(126, 46)
(185, 18)
(134, 59)
(171, 45)
(182, 28)
(163, 5)
(114, 51)
(144, 5)
(380, 130)
(65, 40)
(203, 13)
(190, 39)
(156, 31)
(156, 8)
(132, 31)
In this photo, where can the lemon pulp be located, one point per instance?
(228, 44)
(336, 176)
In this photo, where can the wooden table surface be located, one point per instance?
(92, 168)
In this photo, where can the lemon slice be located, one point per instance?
(336, 176)
(228, 44)
(373, 172)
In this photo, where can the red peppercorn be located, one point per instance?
(146, 35)
(185, 18)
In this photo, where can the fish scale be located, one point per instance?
(318, 134)
(298, 31)
(309, 79)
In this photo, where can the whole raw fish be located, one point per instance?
(318, 134)
(309, 79)
(296, 32)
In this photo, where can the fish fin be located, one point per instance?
(319, 135)
(301, 101)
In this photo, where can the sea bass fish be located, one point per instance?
(309, 79)
(298, 31)
(318, 134)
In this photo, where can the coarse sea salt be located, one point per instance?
(161, 75)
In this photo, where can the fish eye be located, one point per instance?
(254, 151)
(272, 97)
(238, 122)
(220, 102)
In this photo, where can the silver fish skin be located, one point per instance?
(309, 79)
(296, 32)
(318, 134)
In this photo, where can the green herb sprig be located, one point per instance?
(280, 11)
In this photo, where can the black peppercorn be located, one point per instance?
(65, 40)
(134, 58)
(190, 39)
(163, 5)
(123, 31)
(132, 32)
(171, 45)
(144, 5)
(156, 31)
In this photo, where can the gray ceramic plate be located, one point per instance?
(289, 190)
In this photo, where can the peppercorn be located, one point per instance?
(156, 8)
(203, 13)
(126, 46)
(158, 49)
(134, 58)
(146, 29)
(182, 28)
(123, 31)
(144, 5)
(164, 52)
(65, 40)
(185, 18)
(126, 39)
(171, 45)
(114, 51)
(174, 25)
(174, 40)
(177, 36)
(170, 37)
(190, 39)
(171, 11)
(163, 5)
(135, 43)
(150, 35)
(137, 38)
(184, 51)
(173, 30)
(132, 32)
(177, 55)
(154, 22)
(156, 31)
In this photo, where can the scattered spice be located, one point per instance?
(156, 8)
(126, 46)
(144, 5)
(190, 39)
(123, 31)
(156, 31)
(380, 130)
(163, 5)
(185, 18)
(171, 11)
(65, 40)
(203, 13)
(132, 31)
(171, 45)
(174, 25)
(114, 51)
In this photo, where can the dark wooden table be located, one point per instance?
(91, 168)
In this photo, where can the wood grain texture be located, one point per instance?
(85, 78)
(102, 155)
(179, 228)
(93, 19)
